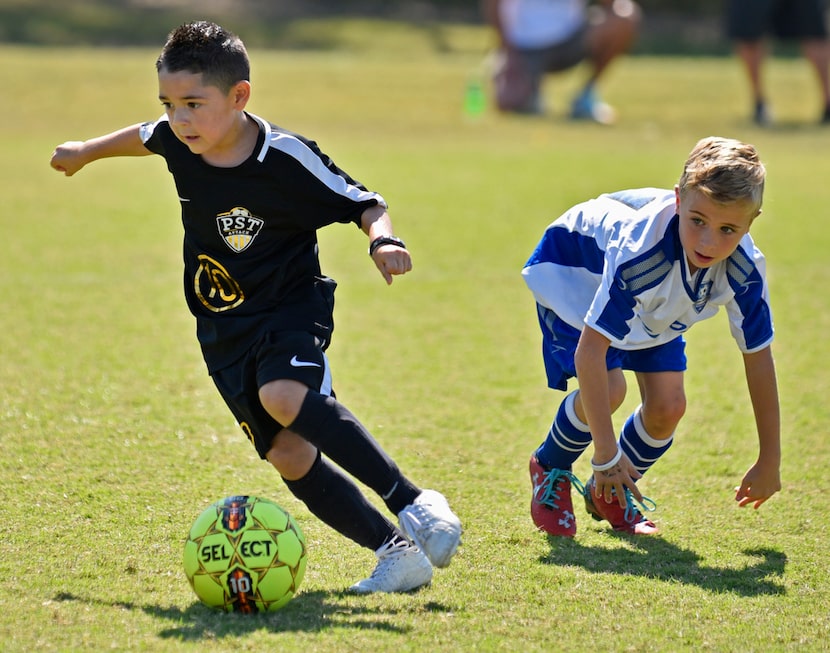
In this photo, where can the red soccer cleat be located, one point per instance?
(551, 507)
(626, 520)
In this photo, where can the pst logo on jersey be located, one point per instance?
(238, 228)
(702, 295)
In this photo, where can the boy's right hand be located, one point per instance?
(392, 260)
(611, 483)
(68, 158)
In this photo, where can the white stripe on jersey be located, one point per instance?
(146, 130)
(295, 148)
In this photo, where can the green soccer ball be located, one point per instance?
(245, 554)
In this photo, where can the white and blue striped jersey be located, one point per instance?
(616, 264)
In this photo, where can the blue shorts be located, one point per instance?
(559, 340)
(293, 355)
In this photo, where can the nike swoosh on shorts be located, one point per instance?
(295, 362)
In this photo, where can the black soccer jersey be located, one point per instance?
(250, 242)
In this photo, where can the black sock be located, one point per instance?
(338, 502)
(330, 427)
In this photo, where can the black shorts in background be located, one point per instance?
(751, 20)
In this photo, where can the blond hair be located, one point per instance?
(725, 170)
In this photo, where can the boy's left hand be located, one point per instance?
(392, 260)
(758, 485)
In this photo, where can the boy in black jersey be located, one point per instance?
(252, 197)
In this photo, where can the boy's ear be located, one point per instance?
(241, 93)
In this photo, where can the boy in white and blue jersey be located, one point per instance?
(617, 281)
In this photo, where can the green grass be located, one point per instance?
(114, 439)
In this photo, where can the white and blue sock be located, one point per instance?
(567, 439)
(642, 449)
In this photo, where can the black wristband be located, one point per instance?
(385, 240)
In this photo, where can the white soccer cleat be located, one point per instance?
(401, 567)
(432, 526)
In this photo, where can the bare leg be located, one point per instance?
(611, 33)
(664, 402)
(817, 52)
(752, 54)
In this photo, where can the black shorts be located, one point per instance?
(293, 355)
(518, 74)
(751, 20)
(561, 56)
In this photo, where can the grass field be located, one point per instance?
(113, 438)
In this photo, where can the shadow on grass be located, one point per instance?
(654, 557)
(307, 612)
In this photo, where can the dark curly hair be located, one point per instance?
(206, 48)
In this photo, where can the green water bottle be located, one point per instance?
(475, 99)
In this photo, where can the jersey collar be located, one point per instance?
(265, 134)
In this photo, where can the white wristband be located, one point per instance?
(611, 463)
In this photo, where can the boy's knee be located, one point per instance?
(616, 391)
(614, 28)
(291, 455)
(662, 417)
(626, 12)
(283, 399)
(515, 88)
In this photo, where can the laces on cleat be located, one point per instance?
(401, 567)
(630, 518)
(549, 486)
(631, 511)
(551, 508)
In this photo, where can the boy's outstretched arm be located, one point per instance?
(764, 478)
(71, 156)
(592, 374)
(389, 259)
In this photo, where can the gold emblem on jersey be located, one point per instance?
(238, 228)
(215, 288)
